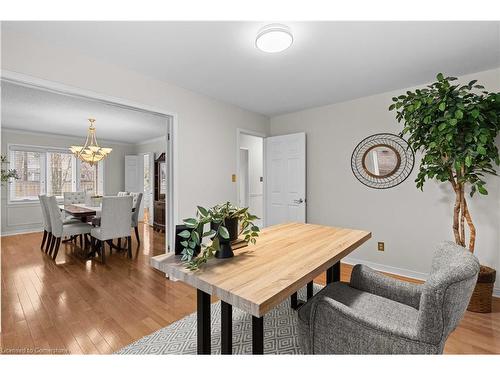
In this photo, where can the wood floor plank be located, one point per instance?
(76, 306)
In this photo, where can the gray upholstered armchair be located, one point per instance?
(376, 314)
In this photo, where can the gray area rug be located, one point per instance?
(280, 333)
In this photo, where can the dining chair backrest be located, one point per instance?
(45, 213)
(56, 221)
(115, 217)
(122, 193)
(136, 203)
(74, 197)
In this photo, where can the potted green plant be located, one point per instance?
(455, 126)
(227, 223)
(7, 174)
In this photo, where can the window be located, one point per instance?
(29, 168)
(51, 171)
(89, 178)
(60, 173)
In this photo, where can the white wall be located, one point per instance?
(409, 221)
(21, 217)
(255, 147)
(207, 127)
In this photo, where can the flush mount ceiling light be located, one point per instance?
(274, 38)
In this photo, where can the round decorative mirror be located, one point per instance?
(382, 161)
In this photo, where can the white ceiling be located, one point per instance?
(30, 109)
(329, 61)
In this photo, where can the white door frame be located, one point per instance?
(171, 129)
(239, 132)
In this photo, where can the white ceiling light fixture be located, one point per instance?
(274, 38)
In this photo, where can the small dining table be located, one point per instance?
(259, 277)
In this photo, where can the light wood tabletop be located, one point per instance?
(259, 277)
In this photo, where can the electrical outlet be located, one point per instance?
(380, 246)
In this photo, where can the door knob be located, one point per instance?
(298, 201)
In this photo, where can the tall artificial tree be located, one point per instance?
(455, 127)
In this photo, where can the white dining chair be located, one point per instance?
(74, 197)
(60, 228)
(136, 203)
(115, 223)
(47, 229)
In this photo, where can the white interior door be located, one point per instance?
(286, 178)
(134, 177)
(243, 180)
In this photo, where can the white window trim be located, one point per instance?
(76, 165)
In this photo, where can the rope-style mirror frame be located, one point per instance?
(404, 154)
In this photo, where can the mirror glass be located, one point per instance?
(381, 161)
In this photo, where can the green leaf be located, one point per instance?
(468, 160)
(482, 190)
(481, 150)
(184, 244)
(440, 77)
(223, 232)
(203, 211)
(185, 234)
(195, 236)
(442, 106)
(191, 223)
(474, 113)
(210, 233)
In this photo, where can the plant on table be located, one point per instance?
(218, 218)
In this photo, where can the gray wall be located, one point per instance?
(21, 217)
(410, 222)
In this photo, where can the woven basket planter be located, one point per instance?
(483, 292)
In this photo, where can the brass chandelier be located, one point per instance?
(91, 152)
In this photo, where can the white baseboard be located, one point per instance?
(20, 231)
(398, 271)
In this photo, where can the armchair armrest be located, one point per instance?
(366, 279)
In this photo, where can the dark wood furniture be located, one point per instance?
(159, 195)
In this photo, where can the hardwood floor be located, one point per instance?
(76, 306)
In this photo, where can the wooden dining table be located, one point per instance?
(259, 277)
(84, 212)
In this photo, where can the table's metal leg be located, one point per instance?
(333, 273)
(203, 302)
(310, 290)
(294, 302)
(257, 335)
(226, 327)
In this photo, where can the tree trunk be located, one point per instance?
(456, 217)
(472, 228)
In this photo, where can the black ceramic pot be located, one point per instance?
(231, 226)
(225, 250)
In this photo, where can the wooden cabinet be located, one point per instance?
(160, 194)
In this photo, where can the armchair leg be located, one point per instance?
(137, 235)
(44, 239)
(119, 244)
(58, 243)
